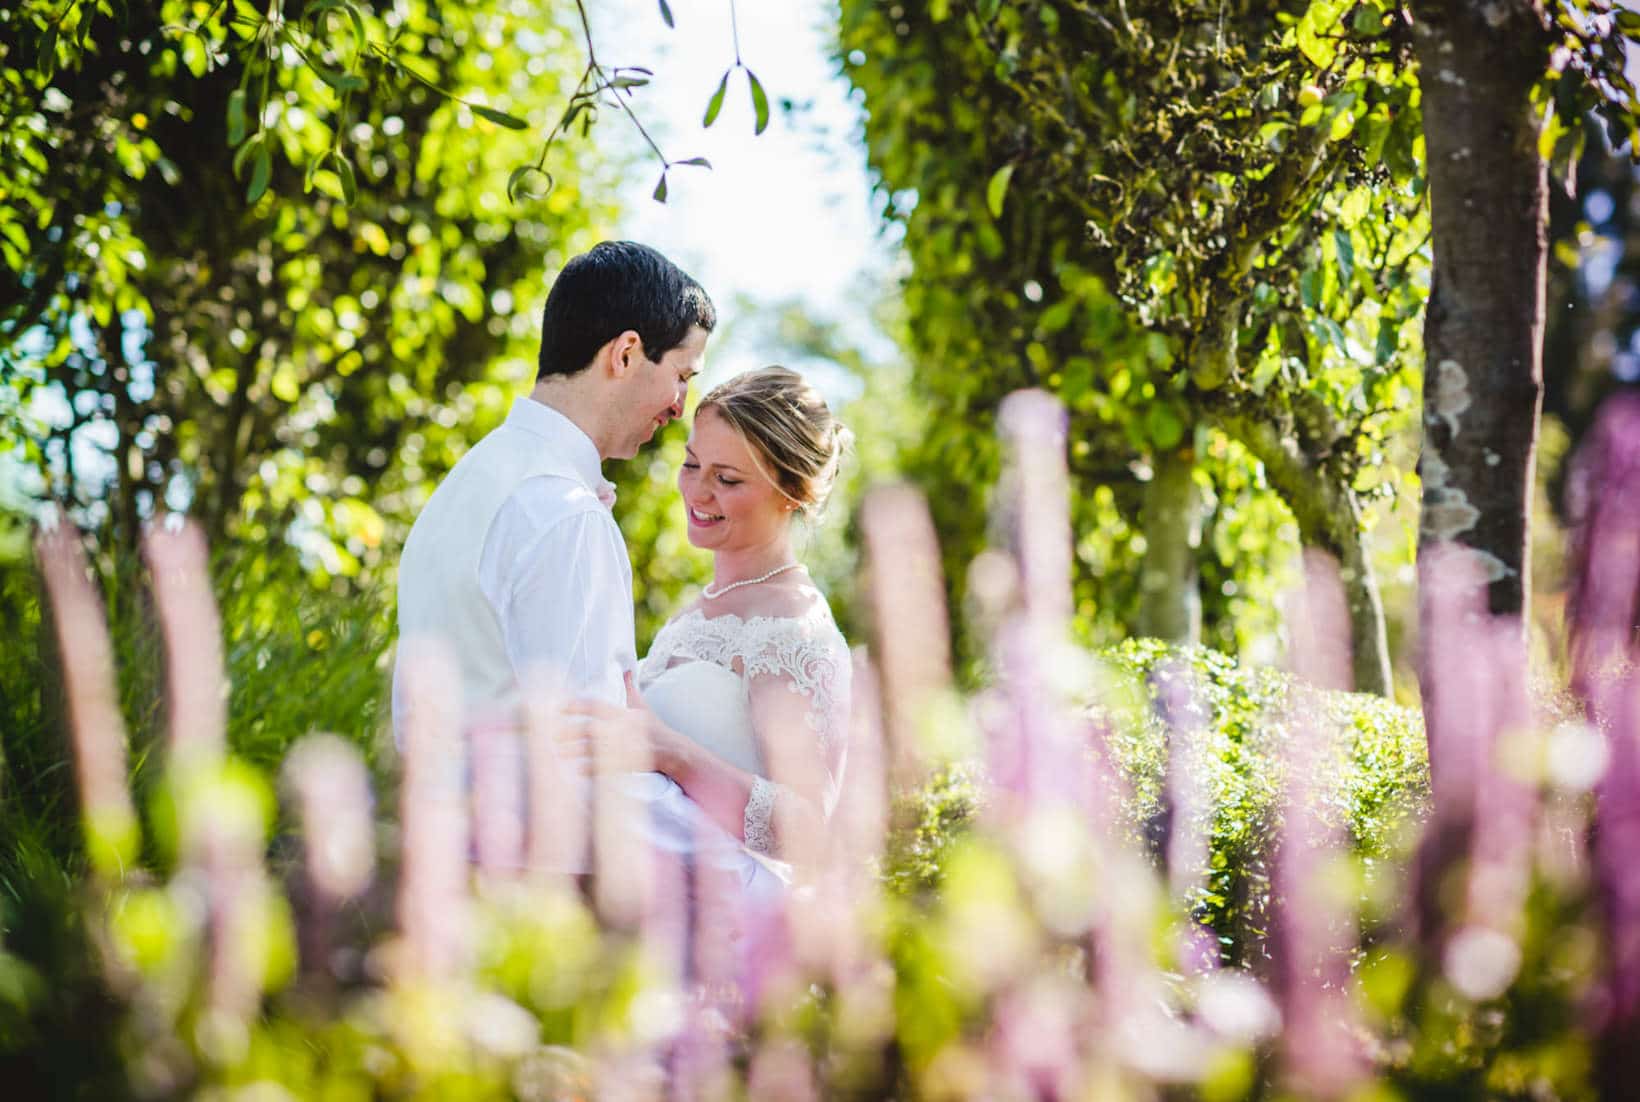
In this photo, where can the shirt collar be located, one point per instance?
(568, 440)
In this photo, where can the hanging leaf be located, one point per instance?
(660, 190)
(666, 14)
(716, 103)
(245, 152)
(236, 116)
(760, 103)
(344, 173)
(997, 189)
(261, 173)
(47, 63)
(701, 161)
(500, 118)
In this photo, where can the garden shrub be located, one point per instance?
(1374, 790)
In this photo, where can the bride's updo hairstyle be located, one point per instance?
(794, 438)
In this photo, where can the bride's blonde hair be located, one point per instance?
(790, 429)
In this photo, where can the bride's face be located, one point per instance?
(730, 503)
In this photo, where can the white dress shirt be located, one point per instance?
(555, 569)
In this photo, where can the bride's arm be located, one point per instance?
(800, 736)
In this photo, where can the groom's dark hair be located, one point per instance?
(613, 287)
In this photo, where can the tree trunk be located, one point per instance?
(1369, 642)
(1170, 603)
(1329, 519)
(1483, 331)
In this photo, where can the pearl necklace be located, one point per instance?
(711, 595)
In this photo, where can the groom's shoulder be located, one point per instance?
(549, 498)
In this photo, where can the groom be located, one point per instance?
(516, 562)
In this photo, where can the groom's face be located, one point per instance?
(655, 391)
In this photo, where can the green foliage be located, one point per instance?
(285, 369)
(1375, 790)
(1373, 777)
(1201, 226)
(303, 656)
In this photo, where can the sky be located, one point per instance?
(787, 215)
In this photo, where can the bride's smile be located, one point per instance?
(732, 502)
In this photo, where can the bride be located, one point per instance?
(748, 686)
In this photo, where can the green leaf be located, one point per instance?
(500, 118)
(47, 62)
(1389, 340)
(700, 161)
(319, 9)
(342, 82)
(716, 103)
(1346, 256)
(760, 103)
(988, 9)
(313, 167)
(236, 116)
(997, 190)
(1163, 426)
(344, 172)
(666, 14)
(660, 190)
(245, 151)
(261, 173)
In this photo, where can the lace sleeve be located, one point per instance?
(798, 684)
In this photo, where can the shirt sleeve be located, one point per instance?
(561, 590)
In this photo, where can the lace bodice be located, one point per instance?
(700, 676)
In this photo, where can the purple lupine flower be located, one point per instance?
(1314, 930)
(623, 864)
(1037, 493)
(1483, 957)
(559, 813)
(1604, 614)
(95, 724)
(1186, 806)
(328, 783)
(912, 632)
(433, 896)
(196, 685)
(1485, 808)
(497, 757)
(1603, 499)
(1040, 758)
(1458, 697)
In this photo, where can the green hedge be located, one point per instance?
(1374, 788)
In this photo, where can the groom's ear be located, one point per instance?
(621, 355)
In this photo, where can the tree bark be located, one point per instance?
(1483, 331)
(1170, 603)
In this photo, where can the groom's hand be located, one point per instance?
(634, 699)
(601, 738)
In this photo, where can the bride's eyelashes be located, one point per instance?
(722, 480)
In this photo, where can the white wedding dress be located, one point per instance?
(705, 677)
